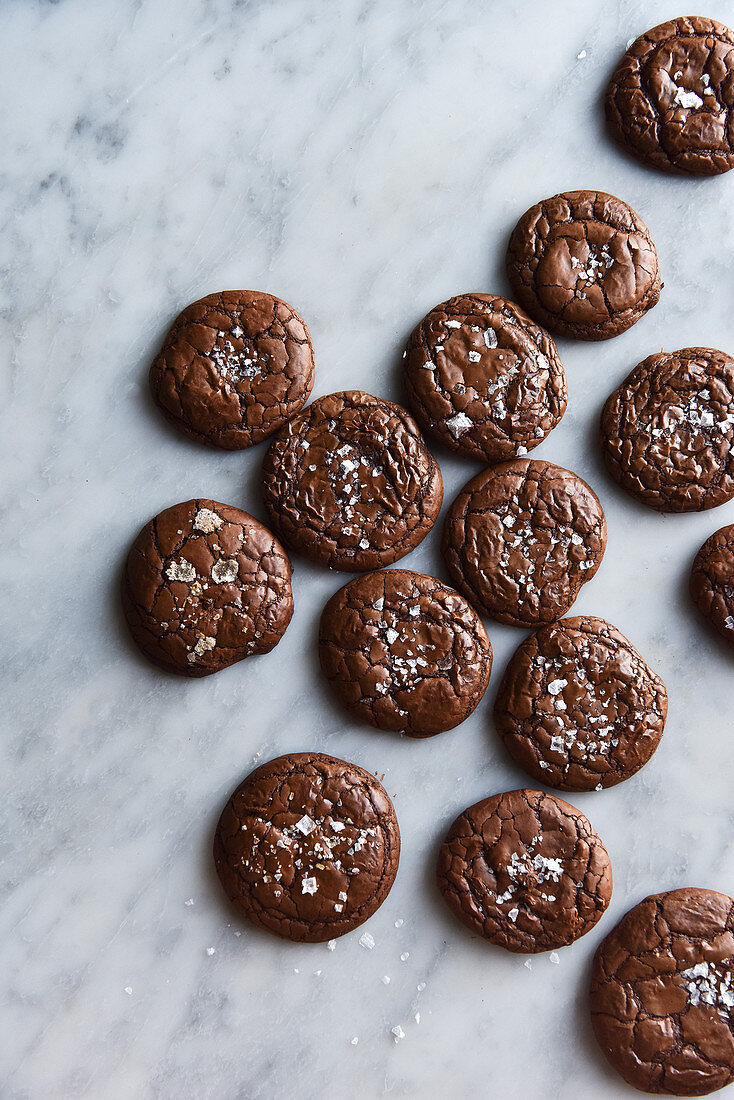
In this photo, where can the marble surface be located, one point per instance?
(363, 160)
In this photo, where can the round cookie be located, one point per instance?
(522, 538)
(350, 483)
(578, 708)
(670, 100)
(668, 432)
(483, 379)
(204, 586)
(404, 652)
(233, 368)
(662, 993)
(712, 581)
(583, 264)
(526, 871)
(307, 847)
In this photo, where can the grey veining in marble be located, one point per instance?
(364, 160)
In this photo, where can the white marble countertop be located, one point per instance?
(364, 160)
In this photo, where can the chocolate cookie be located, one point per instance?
(483, 379)
(670, 101)
(712, 581)
(308, 847)
(520, 539)
(234, 367)
(578, 708)
(526, 871)
(583, 264)
(662, 993)
(350, 483)
(404, 652)
(668, 431)
(204, 586)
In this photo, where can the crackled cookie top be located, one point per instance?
(350, 483)
(404, 652)
(583, 264)
(484, 379)
(234, 367)
(712, 581)
(578, 708)
(671, 99)
(662, 993)
(525, 870)
(668, 431)
(206, 585)
(308, 847)
(521, 538)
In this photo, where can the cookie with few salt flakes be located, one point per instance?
(712, 582)
(578, 708)
(234, 368)
(350, 483)
(404, 652)
(670, 102)
(662, 994)
(204, 586)
(308, 847)
(525, 871)
(483, 379)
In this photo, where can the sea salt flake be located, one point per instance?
(421, 986)
(405, 956)
(306, 825)
(355, 1040)
(385, 979)
(398, 1033)
(189, 901)
(367, 940)
(474, 357)
(513, 914)
(528, 964)
(128, 989)
(399, 922)
(181, 570)
(309, 885)
(556, 686)
(210, 950)
(686, 99)
(452, 324)
(207, 521)
(458, 424)
(331, 945)
(223, 572)
(554, 957)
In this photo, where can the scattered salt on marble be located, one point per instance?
(367, 940)
(189, 901)
(296, 970)
(128, 990)
(405, 956)
(331, 945)
(581, 56)
(417, 1017)
(528, 964)
(398, 1033)
(210, 950)
(355, 1040)
(554, 958)
(421, 986)
(399, 922)
(256, 757)
(385, 979)
(316, 973)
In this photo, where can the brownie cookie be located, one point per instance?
(204, 586)
(520, 540)
(712, 581)
(483, 379)
(308, 847)
(670, 101)
(668, 431)
(662, 993)
(578, 708)
(234, 367)
(404, 652)
(526, 871)
(350, 483)
(583, 264)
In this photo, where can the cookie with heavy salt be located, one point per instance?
(526, 871)
(662, 994)
(670, 101)
(404, 652)
(350, 483)
(522, 538)
(308, 847)
(578, 708)
(712, 581)
(233, 368)
(204, 586)
(667, 432)
(483, 378)
(583, 264)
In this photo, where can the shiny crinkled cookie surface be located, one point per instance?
(671, 100)
(350, 483)
(307, 847)
(578, 708)
(662, 993)
(583, 264)
(233, 368)
(526, 871)
(712, 581)
(483, 378)
(403, 651)
(667, 432)
(204, 586)
(521, 539)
